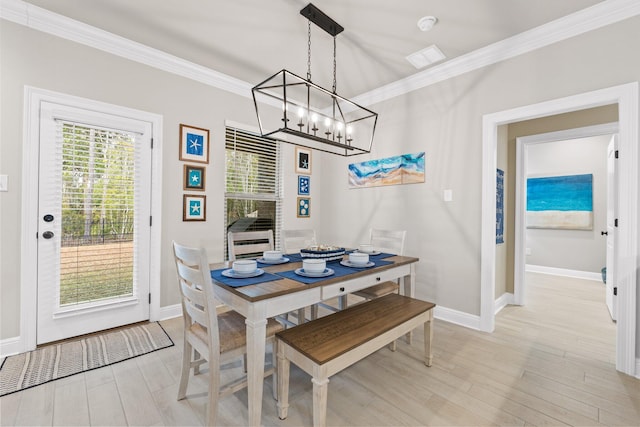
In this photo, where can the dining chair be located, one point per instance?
(212, 333)
(249, 243)
(292, 242)
(388, 241)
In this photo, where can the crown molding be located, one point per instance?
(597, 16)
(48, 22)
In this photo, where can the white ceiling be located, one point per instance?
(252, 39)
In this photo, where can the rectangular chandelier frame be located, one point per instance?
(308, 115)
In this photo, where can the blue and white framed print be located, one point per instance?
(303, 160)
(194, 177)
(304, 206)
(194, 208)
(303, 185)
(194, 144)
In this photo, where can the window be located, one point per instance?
(253, 185)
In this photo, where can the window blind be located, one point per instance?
(253, 183)
(99, 170)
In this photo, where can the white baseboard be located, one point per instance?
(637, 375)
(458, 317)
(588, 275)
(10, 346)
(169, 312)
(504, 300)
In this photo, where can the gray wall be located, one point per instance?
(580, 250)
(444, 120)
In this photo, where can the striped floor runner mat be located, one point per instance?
(66, 358)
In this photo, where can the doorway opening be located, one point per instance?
(626, 98)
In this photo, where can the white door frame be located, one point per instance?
(522, 145)
(626, 97)
(33, 97)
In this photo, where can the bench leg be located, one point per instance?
(320, 391)
(283, 382)
(428, 338)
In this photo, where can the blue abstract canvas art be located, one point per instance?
(563, 202)
(403, 169)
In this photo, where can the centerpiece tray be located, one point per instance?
(325, 252)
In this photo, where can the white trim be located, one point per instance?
(170, 312)
(637, 368)
(457, 317)
(626, 96)
(34, 97)
(522, 148)
(10, 346)
(554, 271)
(599, 15)
(503, 301)
(52, 23)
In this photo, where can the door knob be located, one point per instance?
(604, 233)
(47, 234)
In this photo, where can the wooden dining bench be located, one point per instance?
(327, 345)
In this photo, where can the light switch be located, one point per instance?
(3, 183)
(448, 195)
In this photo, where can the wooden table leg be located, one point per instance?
(283, 382)
(256, 343)
(428, 338)
(320, 394)
(409, 291)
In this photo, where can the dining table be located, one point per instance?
(280, 289)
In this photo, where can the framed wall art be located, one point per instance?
(194, 144)
(304, 183)
(303, 160)
(562, 202)
(194, 207)
(303, 207)
(194, 177)
(499, 206)
(403, 169)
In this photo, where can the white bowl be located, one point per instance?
(245, 266)
(358, 258)
(314, 265)
(366, 248)
(272, 255)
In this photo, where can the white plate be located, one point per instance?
(236, 275)
(374, 253)
(325, 273)
(275, 261)
(348, 263)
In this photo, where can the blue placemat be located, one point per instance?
(379, 256)
(294, 257)
(339, 271)
(236, 283)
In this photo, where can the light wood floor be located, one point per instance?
(548, 363)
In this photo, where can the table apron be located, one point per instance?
(352, 285)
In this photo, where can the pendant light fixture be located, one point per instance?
(308, 115)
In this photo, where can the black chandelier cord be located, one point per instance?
(335, 84)
(309, 50)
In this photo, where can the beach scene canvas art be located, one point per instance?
(564, 202)
(403, 169)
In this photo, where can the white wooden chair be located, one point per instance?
(249, 243)
(389, 241)
(294, 240)
(211, 333)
